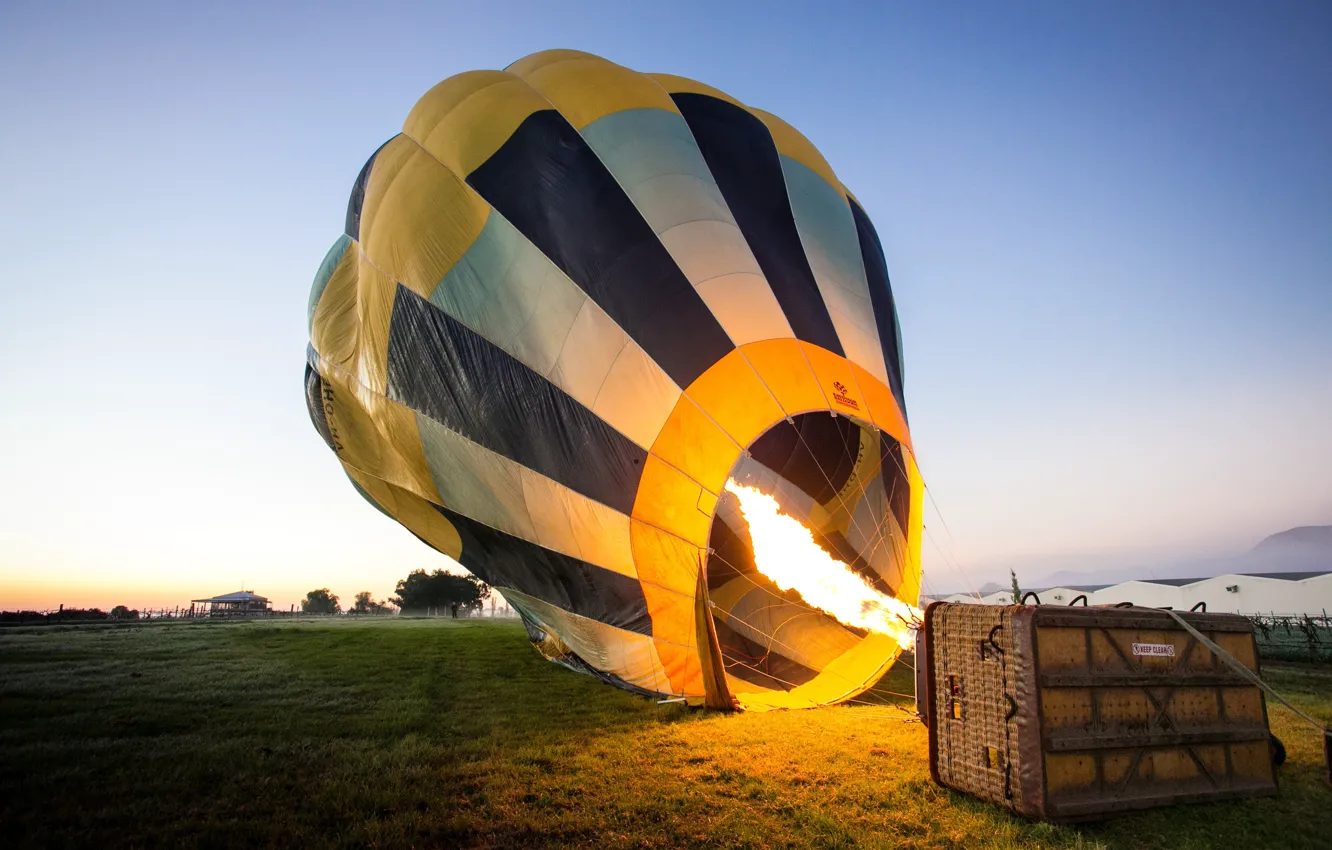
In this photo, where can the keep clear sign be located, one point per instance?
(1155, 650)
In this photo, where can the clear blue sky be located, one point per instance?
(1109, 228)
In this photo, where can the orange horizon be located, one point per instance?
(34, 597)
(51, 599)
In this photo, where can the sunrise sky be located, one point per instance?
(1109, 228)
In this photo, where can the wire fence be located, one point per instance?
(1293, 637)
(93, 616)
(1280, 637)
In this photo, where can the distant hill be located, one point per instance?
(1307, 541)
(1303, 549)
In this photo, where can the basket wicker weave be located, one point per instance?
(974, 648)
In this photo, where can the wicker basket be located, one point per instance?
(1074, 713)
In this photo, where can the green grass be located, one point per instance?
(442, 733)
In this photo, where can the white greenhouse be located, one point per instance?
(1249, 593)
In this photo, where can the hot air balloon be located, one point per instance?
(581, 323)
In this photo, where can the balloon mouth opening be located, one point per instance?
(807, 549)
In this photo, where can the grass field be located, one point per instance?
(432, 733)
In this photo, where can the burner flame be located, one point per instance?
(785, 551)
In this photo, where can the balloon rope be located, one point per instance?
(952, 562)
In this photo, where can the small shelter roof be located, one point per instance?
(238, 596)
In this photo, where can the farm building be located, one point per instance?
(1247, 593)
(242, 603)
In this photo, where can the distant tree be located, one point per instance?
(1017, 591)
(321, 601)
(366, 604)
(120, 612)
(421, 591)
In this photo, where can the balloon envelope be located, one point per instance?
(570, 303)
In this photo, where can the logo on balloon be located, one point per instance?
(840, 396)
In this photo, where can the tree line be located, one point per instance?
(419, 593)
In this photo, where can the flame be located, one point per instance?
(785, 551)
